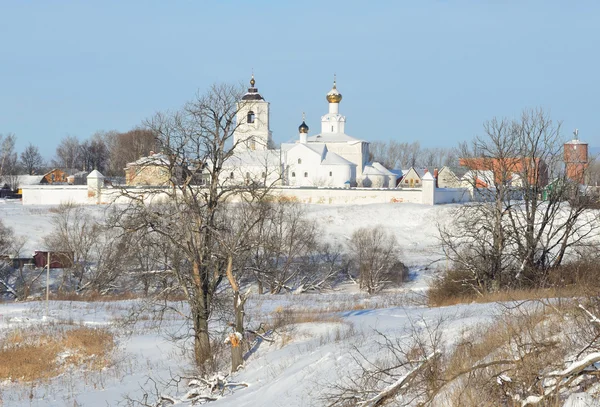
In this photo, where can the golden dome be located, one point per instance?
(252, 81)
(333, 96)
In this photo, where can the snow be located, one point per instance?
(293, 370)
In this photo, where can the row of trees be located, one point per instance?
(532, 220)
(403, 155)
(108, 152)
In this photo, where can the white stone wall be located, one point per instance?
(452, 195)
(55, 194)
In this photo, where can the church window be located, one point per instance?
(251, 116)
(263, 175)
(231, 175)
(293, 174)
(332, 129)
(253, 145)
(330, 173)
(306, 175)
(299, 160)
(247, 175)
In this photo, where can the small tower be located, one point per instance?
(576, 158)
(333, 122)
(252, 132)
(303, 130)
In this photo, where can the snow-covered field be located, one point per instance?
(295, 370)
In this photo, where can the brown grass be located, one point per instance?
(507, 295)
(93, 296)
(28, 355)
(575, 279)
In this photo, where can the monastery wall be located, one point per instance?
(94, 194)
(54, 194)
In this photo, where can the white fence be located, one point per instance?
(96, 193)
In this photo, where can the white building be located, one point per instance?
(331, 158)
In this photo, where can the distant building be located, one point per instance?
(412, 177)
(151, 170)
(450, 177)
(576, 159)
(508, 171)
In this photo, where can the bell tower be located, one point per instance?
(252, 131)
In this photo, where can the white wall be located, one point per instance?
(55, 194)
(355, 196)
(452, 195)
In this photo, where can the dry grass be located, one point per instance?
(285, 317)
(576, 279)
(93, 296)
(520, 345)
(27, 355)
(507, 295)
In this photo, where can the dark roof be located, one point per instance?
(252, 94)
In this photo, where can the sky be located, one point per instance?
(427, 71)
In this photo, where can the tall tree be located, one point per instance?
(197, 140)
(68, 153)
(529, 214)
(31, 159)
(94, 154)
(128, 147)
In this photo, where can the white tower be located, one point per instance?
(252, 132)
(333, 122)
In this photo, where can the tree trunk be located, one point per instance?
(237, 351)
(202, 351)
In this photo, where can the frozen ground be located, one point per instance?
(290, 372)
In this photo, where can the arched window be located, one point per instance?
(231, 175)
(306, 175)
(331, 173)
(251, 116)
(247, 175)
(263, 175)
(299, 160)
(293, 175)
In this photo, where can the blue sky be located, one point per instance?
(431, 71)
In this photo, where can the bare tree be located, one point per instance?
(94, 154)
(68, 152)
(374, 253)
(196, 142)
(286, 239)
(128, 147)
(529, 215)
(8, 160)
(31, 159)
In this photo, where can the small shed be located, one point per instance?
(58, 260)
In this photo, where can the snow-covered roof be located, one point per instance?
(256, 158)
(382, 169)
(334, 138)
(154, 159)
(29, 179)
(327, 157)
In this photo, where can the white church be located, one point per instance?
(328, 159)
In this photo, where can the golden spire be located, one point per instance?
(334, 96)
